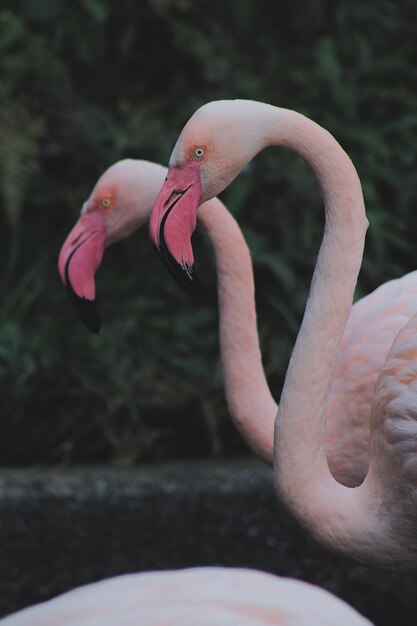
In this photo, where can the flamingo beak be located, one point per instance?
(79, 259)
(173, 221)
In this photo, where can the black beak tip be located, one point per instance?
(188, 280)
(191, 282)
(86, 309)
(185, 277)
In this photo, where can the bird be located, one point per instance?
(201, 596)
(120, 203)
(374, 522)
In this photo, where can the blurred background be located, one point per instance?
(86, 83)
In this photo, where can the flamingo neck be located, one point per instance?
(364, 522)
(345, 519)
(249, 399)
(302, 415)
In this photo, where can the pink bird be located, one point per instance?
(375, 522)
(210, 596)
(121, 202)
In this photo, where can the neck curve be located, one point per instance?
(346, 519)
(249, 399)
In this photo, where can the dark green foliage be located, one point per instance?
(86, 83)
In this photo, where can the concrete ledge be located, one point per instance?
(61, 529)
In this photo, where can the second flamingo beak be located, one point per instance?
(79, 259)
(173, 221)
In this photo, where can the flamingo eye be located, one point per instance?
(199, 152)
(106, 202)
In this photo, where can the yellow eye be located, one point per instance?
(106, 202)
(199, 152)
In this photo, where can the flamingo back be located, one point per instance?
(193, 597)
(371, 329)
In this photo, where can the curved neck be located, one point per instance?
(343, 518)
(310, 369)
(249, 399)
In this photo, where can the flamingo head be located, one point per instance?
(119, 203)
(213, 147)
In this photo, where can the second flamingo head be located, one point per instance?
(119, 203)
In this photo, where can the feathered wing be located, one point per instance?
(372, 327)
(394, 445)
(394, 415)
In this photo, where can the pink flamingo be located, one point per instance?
(195, 597)
(121, 202)
(375, 522)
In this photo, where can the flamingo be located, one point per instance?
(375, 522)
(121, 202)
(204, 596)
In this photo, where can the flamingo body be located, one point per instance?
(371, 329)
(194, 597)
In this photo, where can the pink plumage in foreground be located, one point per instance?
(195, 597)
(377, 521)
